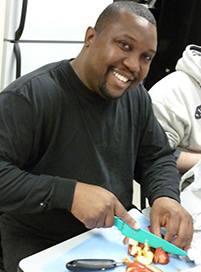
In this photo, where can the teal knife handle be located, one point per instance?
(118, 223)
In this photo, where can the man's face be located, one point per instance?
(119, 57)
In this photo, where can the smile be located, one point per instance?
(120, 77)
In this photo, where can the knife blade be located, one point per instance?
(143, 236)
(92, 264)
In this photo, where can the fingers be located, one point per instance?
(177, 221)
(180, 229)
(122, 213)
(185, 230)
(130, 221)
(102, 217)
(172, 224)
(95, 207)
(155, 221)
(156, 228)
(106, 220)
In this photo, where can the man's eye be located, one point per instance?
(125, 46)
(148, 58)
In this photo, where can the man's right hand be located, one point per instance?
(96, 207)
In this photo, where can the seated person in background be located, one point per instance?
(177, 105)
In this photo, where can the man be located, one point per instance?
(176, 101)
(74, 135)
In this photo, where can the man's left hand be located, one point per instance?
(168, 213)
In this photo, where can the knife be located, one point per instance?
(143, 236)
(92, 264)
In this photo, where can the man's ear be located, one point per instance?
(90, 33)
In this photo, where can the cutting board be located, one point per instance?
(108, 243)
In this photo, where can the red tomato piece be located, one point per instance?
(125, 240)
(137, 265)
(160, 256)
(129, 249)
(135, 269)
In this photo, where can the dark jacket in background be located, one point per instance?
(179, 24)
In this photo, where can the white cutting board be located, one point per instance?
(107, 243)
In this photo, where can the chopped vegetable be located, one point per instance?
(160, 256)
(145, 254)
(138, 267)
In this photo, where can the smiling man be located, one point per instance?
(127, 44)
(74, 135)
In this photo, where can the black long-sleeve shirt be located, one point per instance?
(54, 131)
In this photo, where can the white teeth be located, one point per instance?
(120, 77)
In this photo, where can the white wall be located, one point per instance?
(2, 20)
(40, 27)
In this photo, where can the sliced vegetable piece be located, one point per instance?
(125, 240)
(132, 242)
(139, 266)
(160, 256)
(126, 260)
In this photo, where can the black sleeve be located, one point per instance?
(156, 169)
(20, 147)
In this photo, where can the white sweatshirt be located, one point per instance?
(177, 102)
